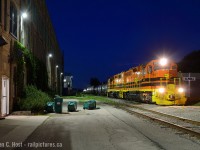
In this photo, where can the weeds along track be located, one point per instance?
(187, 126)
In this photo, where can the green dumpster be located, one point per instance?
(72, 106)
(91, 104)
(58, 104)
(50, 107)
(85, 105)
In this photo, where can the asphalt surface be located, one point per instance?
(16, 129)
(107, 128)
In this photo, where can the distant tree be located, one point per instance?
(105, 82)
(94, 81)
(190, 63)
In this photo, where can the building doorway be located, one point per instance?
(5, 96)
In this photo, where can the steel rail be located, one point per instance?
(167, 115)
(172, 125)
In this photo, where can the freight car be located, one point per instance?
(98, 90)
(155, 82)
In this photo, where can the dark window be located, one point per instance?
(150, 69)
(13, 20)
(143, 71)
(0, 11)
(157, 66)
(5, 15)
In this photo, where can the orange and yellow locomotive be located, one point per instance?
(156, 82)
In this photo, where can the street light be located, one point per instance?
(49, 69)
(50, 55)
(24, 15)
(61, 83)
(56, 78)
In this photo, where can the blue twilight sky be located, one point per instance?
(103, 37)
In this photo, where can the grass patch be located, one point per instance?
(88, 97)
(102, 99)
(197, 104)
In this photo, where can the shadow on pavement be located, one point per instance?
(52, 134)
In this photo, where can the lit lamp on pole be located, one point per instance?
(49, 69)
(56, 71)
(50, 55)
(24, 15)
(61, 83)
(56, 76)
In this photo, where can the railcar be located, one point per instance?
(157, 82)
(89, 90)
(98, 90)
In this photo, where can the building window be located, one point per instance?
(5, 15)
(0, 11)
(150, 69)
(13, 20)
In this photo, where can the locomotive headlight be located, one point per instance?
(180, 90)
(163, 61)
(161, 90)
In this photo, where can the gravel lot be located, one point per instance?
(188, 112)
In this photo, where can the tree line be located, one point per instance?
(190, 62)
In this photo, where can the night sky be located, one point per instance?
(100, 38)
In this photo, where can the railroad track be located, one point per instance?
(187, 126)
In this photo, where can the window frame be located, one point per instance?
(13, 20)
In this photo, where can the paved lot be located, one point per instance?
(15, 129)
(106, 128)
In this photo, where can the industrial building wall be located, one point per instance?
(7, 36)
(37, 35)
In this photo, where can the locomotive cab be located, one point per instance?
(169, 90)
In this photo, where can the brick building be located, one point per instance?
(28, 22)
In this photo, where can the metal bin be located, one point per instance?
(58, 104)
(72, 106)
